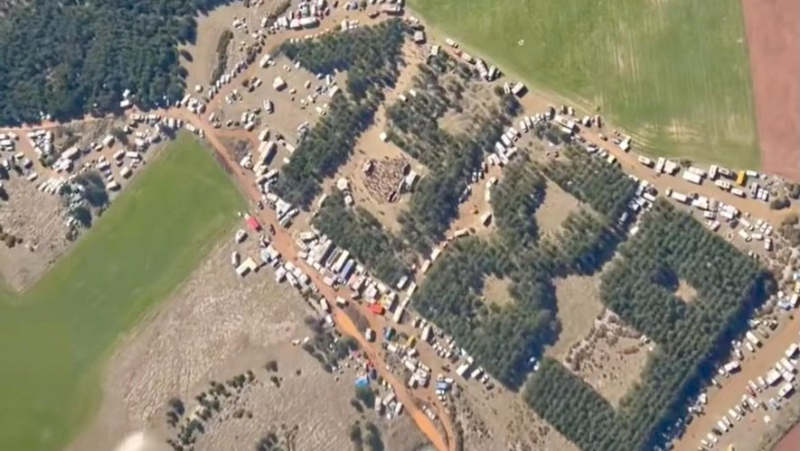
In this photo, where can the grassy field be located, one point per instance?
(673, 73)
(54, 339)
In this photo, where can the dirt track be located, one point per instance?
(773, 38)
(284, 242)
(719, 401)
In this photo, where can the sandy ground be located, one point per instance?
(500, 419)
(369, 146)
(791, 441)
(773, 37)
(214, 326)
(557, 205)
(41, 228)
(578, 299)
(496, 291)
(209, 28)
(613, 366)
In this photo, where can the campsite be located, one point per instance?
(344, 224)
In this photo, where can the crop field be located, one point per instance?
(56, 336)
(672, 73)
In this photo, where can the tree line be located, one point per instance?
(360, 233)
(68, 59)
(692, 338)
(372, 56)
(451, 158)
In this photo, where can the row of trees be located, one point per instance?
(451, 158)
(670, 247)
(515, 201)
(359, 232)
(590, 179)
(372, 56)
(324, 149)
(501, 337)
(70, 59)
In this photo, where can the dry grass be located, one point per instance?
(557, 205)
(613, 366)
(41, 228)
(217, 326)
(495, 291)
(686, 292)
(578, 299)
(500, 419)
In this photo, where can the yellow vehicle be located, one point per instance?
(412, 340)
(741, 178)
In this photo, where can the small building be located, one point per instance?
(519, 89)
(419, 37)
(279, 84)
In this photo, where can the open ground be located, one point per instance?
(216, 326)
(773, 37)
(673, 73)
(59, 331)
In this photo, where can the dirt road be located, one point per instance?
(284, 243)
(719, 401)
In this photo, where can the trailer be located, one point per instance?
(692, 177)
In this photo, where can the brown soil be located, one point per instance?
(216, 326)
(613, 366)
(578, 299)
(790, 441)
(686, 292)
(500, 419)
(209, 28)
(42, 230)
(773, 37)
(557, 205)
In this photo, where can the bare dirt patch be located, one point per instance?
(289, 108)
(373, 190)
(578, 299)
(610, 359)
(557, 205)
(495, 291)
(475, 206)
(214, 326)
(773, 37)
(686, 292)
(38, 219)
(203, 52)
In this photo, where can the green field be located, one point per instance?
(672, 73)
(55, 338)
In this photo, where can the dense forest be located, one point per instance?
(514, 202)
(640, 287)
(67, 59)
(504, 334)
(360, 233)
(372, 56)
(592, 180)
